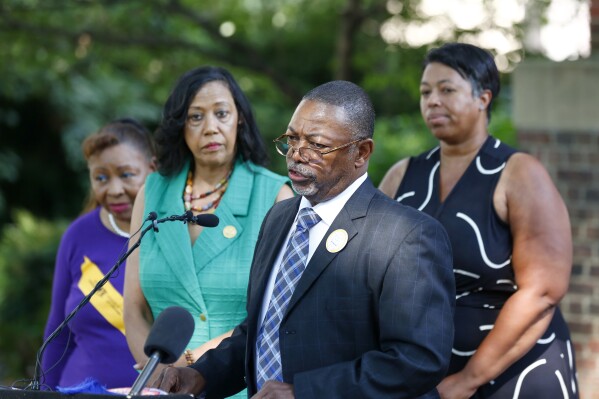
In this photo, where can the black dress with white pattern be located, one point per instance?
(482, 250)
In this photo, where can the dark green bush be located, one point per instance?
(27, 252)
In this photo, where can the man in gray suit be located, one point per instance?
(350, 294)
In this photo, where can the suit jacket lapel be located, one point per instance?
(279, 223)
(276, 227)
(356, 207)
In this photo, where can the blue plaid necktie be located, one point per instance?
(292, 267)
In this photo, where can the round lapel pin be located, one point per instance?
(337, 240)
(229, 231)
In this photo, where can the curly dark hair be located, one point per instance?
(172, 149)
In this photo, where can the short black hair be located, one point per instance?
(353, 99)
(472, 63)
(172, 149)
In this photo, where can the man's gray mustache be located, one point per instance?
(299, 168)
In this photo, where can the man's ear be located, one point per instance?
(365, 148)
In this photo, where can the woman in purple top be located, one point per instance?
(119, 157)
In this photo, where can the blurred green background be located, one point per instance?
(67, 67)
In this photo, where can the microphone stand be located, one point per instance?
(35, 383)
(143, 378)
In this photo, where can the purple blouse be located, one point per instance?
(93, 344)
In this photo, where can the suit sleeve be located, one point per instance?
(223, 368)
(415, 325)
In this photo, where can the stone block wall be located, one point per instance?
(556, 114)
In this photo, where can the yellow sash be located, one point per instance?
(107, 300)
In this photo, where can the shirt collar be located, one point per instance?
(328, 210)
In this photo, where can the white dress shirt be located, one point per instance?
(327, 211)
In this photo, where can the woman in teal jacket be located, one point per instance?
(210, 159)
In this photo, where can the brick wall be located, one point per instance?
(572, 159)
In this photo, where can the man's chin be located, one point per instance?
(306, 190)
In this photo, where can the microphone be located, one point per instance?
(152, 216)
(37, 372)
(168, 337)
(205, 219)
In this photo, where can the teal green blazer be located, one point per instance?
(209, 278)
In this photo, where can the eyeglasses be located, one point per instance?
(307, 154)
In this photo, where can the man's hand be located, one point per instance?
(275, 390)
(180, 380)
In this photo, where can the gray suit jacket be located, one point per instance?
(374, 320)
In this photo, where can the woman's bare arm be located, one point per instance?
(393, 177)
(137, 313)
(542, 260)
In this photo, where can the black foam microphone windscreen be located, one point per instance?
(170, 334)
(205, 219)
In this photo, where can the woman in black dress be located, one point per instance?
(510, 234)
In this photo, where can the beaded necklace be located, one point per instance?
(188, 196)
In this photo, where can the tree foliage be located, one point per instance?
(68, 67)
(89, 61)
(27, 251)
